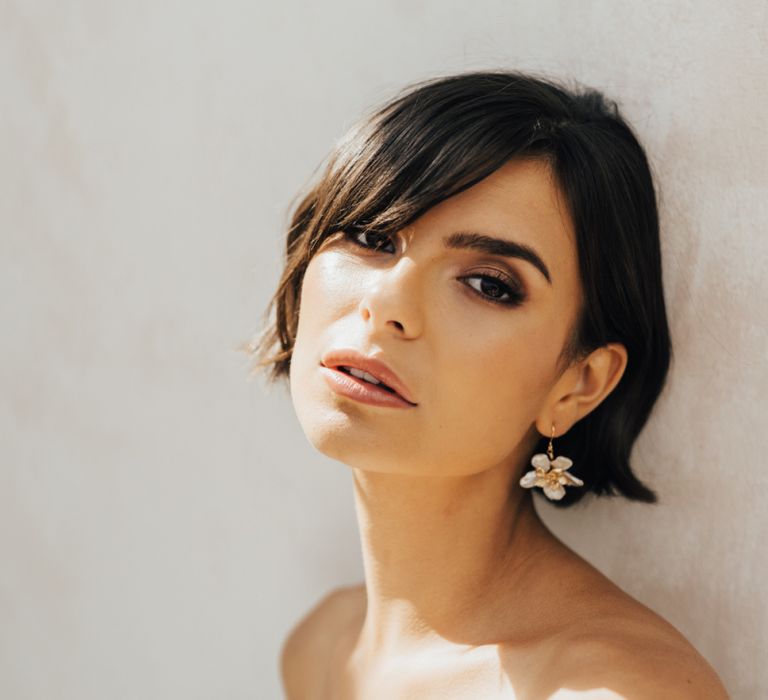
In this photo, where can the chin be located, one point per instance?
(343, 430)
(339, 436)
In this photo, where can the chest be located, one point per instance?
(447, 673)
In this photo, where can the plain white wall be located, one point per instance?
(163, 521)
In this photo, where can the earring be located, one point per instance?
(550, 473)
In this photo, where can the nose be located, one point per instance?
(391, 301)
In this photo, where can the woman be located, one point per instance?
(471, 312)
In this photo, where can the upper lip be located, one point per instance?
(352, 358)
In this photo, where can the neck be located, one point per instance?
(445, 558)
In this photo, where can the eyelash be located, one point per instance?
(516, 297)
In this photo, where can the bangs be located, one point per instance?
(419, 150)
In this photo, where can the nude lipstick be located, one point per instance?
(360, 390)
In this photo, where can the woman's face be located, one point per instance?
(480, 371)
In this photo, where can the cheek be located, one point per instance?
(324, 301)
(329, 275)
(322, 295)
(488, 406)
(512, 367)
(307, 344)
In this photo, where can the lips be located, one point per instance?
(349, 357)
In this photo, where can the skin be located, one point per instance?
(466, 593)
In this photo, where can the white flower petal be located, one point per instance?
(562, 463)
(554, 494)
(528, 480)
(540, 461)
(570, 479)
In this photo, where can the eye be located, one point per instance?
(504, 290)
(354, 236)
(495, 286)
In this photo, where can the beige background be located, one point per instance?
(163, 522)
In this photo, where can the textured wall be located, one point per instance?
(162, 521)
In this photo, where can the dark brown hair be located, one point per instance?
(442, 135)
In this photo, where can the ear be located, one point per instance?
(582, 387)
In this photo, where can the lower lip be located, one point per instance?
(360, 390)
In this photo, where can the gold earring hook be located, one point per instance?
(550, 450)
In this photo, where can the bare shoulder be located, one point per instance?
(633, 654)
(607, 645)
(309, 641)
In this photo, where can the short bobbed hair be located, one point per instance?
(442, 135)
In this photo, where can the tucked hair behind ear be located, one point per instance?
(440, 136)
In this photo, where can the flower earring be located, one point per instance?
(550, 473)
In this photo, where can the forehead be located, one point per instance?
(521, 197)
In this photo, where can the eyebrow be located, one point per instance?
(497, 246)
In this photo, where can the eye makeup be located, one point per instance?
(503, 284)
